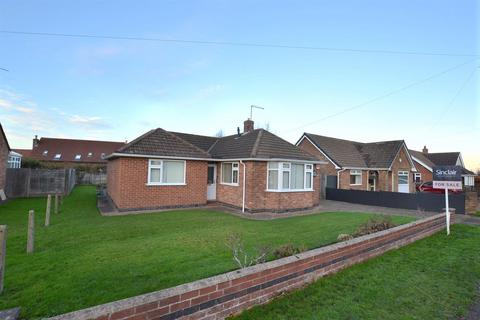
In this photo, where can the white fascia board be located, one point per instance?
(305, 137)
(422, 164)
(213, 159)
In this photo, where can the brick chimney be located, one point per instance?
(248, 125)
(425, 150)
(35, 142)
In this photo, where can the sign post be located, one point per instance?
(447, 177)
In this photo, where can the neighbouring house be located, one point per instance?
(4, 151)
(254, 170)
(425, 161)
(375, 166)
(68, 153)
(14, 160)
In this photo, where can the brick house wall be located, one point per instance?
(257, 198)
(327, 169)
(127, 186)
(3, 160)
(401, 163)
(427, 175)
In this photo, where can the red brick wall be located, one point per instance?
(3, 161)
(426, 174)
(228, 294)
(401, 163)
(327, 169)
(127, 186)
(258, 199)
(345, 181)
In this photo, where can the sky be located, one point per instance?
(404, 70)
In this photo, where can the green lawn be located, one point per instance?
(434, 278)
(477, 214)
(84, 259)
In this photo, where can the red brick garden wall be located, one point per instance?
(127, 186)
(233, 292)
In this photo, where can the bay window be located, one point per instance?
(230, 173)
(286, 176)
(355, 177)
(166, 172)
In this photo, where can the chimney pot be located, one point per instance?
(248, 125)
(425, 150)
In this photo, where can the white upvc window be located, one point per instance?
(166, 172)
(417, 177)
(289, 176)
(230, 173)
(14, 161)
(355, 177)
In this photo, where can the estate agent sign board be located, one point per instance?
(447, 177)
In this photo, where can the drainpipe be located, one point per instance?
(244, 186)
(338, 177)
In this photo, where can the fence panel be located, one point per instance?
(27, 182)
(412, 201)
(91, 178)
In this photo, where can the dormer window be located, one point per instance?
(57, 156)
(90, 154)
(45, 153)
(78, 157)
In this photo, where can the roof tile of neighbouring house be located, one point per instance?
(258, 143)
(444, 158)
(346, 153)
(90, 151)
(158, 142)
(421, 157)
(26, 153)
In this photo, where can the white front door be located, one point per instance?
(403, 182)
(212, 182)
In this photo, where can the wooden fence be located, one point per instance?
(97, 178)
(38, 182)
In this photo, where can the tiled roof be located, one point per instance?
(444, 158)
(421, 157)
(346, 153)
(258, 143)
(26, 153)
(90, 151)
(159, 142)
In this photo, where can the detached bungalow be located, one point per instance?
(376, 166)
(254, 170)
(425, 161)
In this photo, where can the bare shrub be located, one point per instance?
(240, 255)
(288, 250)
(374, 225)
(344, 237)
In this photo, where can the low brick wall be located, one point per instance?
(223, 295)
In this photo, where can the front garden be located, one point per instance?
(84, 259)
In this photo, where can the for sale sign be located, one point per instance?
(447, 177)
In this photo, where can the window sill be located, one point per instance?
(289, 191)
(165, 184)
(230, 184)
(356, 185)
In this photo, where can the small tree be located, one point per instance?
(30, 163)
